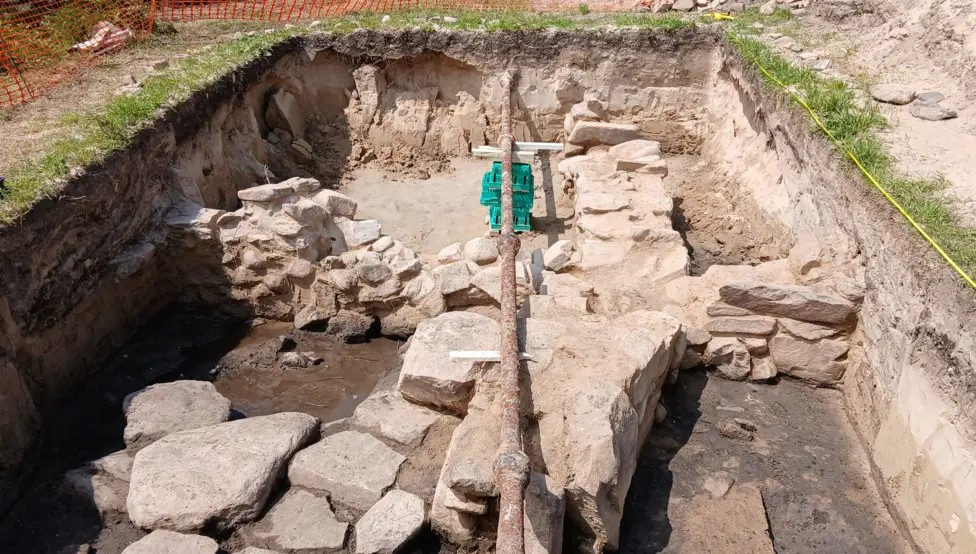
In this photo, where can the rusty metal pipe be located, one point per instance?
(511, 467)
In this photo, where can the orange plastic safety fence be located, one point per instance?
(43, 43)
(289, 10)
(46, 42)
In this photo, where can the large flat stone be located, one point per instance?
(489, 280)
(356, 469)
(336, 203)
(169, 542)
(812, 360)
(429, 376)
(748, 325)
(594, 133)
(793, 301)
(736, 522)
(390, 523)
(163, 409)
(299, 522)
(386, 414)
(266, 193)
(218, 476)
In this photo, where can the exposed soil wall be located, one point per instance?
(910, 384)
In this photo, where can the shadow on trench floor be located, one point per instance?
(240, 357)
(818, 494)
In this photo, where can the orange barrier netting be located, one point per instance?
(46, 42)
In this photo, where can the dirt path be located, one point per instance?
(816, 485)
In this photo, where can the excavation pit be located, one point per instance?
(328, 190)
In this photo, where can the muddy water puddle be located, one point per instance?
(258, 380)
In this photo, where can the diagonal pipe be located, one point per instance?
(511, 467)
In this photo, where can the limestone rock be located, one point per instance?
(891, 93)
(469, 463)
(256, 550)
(454, 277)
(634, 149)
(808, 331)
(429, 376)
(564, 285)
(382, 244)
(354, 468)
(336, 203)
(374, 272)
(747, 325)
(729, 356)
(299, 522)
(651, 165)
(545, 507)
(481, 250)
(168, 542)
(386, 414)
(103, 482)
(557, 256)
(265, 193)
(590, 109)
(163, 409)
(595, 133)
(457, 526)
(305, 211)
(814, 361)
(214, 476)
(450, 253)
(349, 326)
(600, 202)
(489, 280)
(793, 301)
(931, 112)
(359, 233)
(285, 113)
(390, 523)
(763, 369)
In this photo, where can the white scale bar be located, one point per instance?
(482, 355)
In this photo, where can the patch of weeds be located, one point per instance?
(854, 129)
(584, 9)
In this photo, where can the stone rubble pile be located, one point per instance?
(295, 251)
(766, 7)
(756, 323)
(195, 477)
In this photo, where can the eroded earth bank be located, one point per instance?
(245, 341)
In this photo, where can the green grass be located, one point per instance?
(855, 128)
(89, 137)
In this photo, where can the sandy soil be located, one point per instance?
(817, 488)
(429, 214)
(27, 128)
(893, 53)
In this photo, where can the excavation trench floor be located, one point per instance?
(429, 214)
(182, 344)
(816, 485)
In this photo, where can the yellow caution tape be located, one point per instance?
(870, 177)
